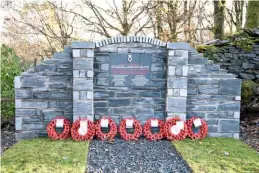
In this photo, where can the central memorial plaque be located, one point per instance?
(130, 69)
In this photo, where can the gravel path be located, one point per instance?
(135, 157)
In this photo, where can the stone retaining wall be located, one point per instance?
(243, 63)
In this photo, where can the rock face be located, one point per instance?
(76, 84)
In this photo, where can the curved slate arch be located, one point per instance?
(130, 39)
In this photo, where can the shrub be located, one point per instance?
(11, 66)
(248, 91)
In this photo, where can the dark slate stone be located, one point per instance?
(41, 94)
(230, 87)
(42, 134)
(31, 119)
(82, 84)
(160, 115)
(50, 114)
(101, 74)
(158, 83)
(82, 45)
(101, 59)
(101, 111)
(123, 110)
(212, 121)
(102, 82)
(25, 112)
(149, 94)
(100, 104)
(57, 85)
(141, 101)
(202, 108)
(82, 64)
(178, 45)
(26, 135)
(65, 105)
(52, 104)
(199, 61)
(196, 114)
(229, 126)
(103, 94)
(34, 126)
(34, 104)
(118, 102)
(177, 82)
(246, 65)
(157, 75)
(213, 129)
(63, 55)
(62, 95)
(46, 67)
(22, 94)
(229, 106)
(247, 76)
(176, 104)
(192, 90)
(82, 108)
(208, 89)
(159, 100)
(126, 94)
(33, 81)
(203, 81)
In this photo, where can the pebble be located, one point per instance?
(135, 157)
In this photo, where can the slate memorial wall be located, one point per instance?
(124, 77)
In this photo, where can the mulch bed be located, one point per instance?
(249, 131)
(7, 134)
(140, 156)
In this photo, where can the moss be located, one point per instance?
(203, 48)
(243, 43)
(247, 90)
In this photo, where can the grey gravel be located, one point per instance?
(134, 157)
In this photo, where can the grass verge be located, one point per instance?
(216, 155)
(43, 155)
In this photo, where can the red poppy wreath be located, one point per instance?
(137, 129)
(62, 122)
(147, 129)
(82, 130)
(98, 129)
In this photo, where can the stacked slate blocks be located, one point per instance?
(75, 84)
(213, 94)
(42, 93)
(141, 103)
(177, 54)
(83, 54)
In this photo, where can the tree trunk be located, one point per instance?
(238, 5)
(219, 17)
(252, 16)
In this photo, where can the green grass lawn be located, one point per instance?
(216, 155)
(43, 155)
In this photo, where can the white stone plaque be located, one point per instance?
(83, 128)
(180, 124)
(59, 123)
(175, 130)
(129, 124)
(104, 123)
(197, 122)
(154, 123)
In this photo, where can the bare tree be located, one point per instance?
(129, 17)
(44, 24)
(236, 14)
